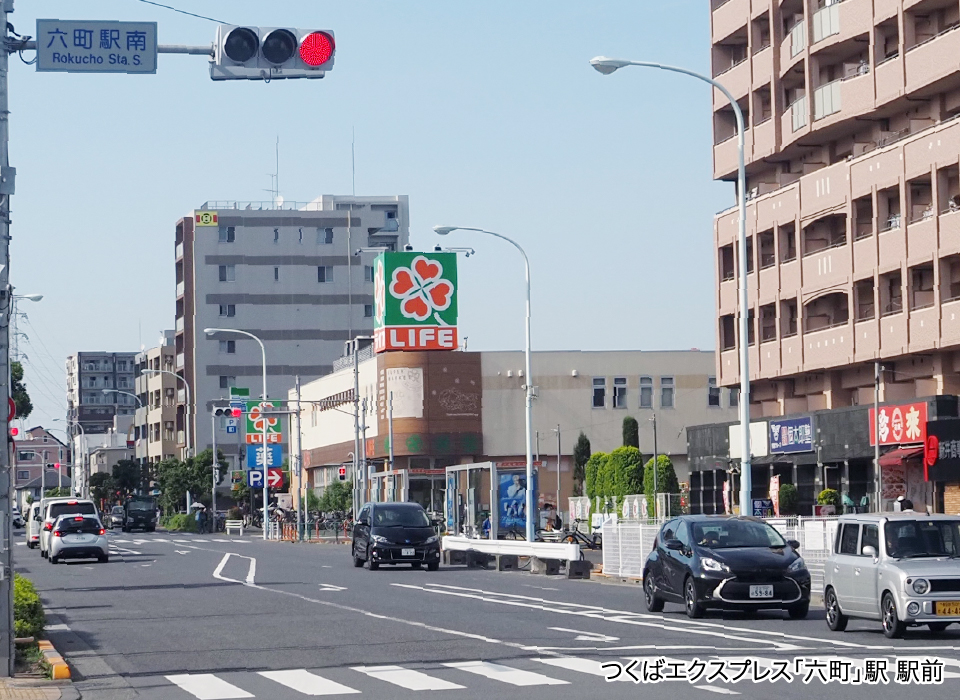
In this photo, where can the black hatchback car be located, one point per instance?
(395, 533)
(728, 562)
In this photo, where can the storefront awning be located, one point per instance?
(899, 455)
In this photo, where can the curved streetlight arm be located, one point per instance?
(125, 393)
(609, 65)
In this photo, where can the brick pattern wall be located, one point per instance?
(951, 499)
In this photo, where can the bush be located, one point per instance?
(593, 476)
(666, 483)
(789, 497)
(626, 467)
(829, 497)
(234, 514)
(28, 617)
(181, 522)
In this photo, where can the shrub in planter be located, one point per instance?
(829, 497)
(789, 498)
(234, 514)
(28, 617)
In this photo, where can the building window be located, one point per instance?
(228, 310)
(599, 392)
(276, 235)
(26, 456)
(276, 274)
(368, 310)
(734, 396)
(619, 392)
(228, 234)
(646, 392)
(713, 393)
(228, 273)
(325, 236)
(23, 474)
(324, 274)
(368, 273)
(121, 365)
(666, 392)
(228, 346)
(227, 382)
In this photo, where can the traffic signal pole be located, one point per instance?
(214, 468)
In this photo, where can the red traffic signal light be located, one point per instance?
(343, 473)
(317, 48)
(56, 465)
(14, 431)
(235, 412)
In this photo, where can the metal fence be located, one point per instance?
(627, 543)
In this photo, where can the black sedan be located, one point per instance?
(728, 562)
(395, 533)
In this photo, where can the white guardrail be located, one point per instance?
(626, 544)
(520, 548)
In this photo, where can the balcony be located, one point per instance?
(866, 341)
(950, 323)
(827, 268)
(922, 237)
(950, 231)
(797, 39)
(726, 154)
(826, 22)
(893, 335)
(728, 17)
(180, 360)
(889, 79)
(826, 99)
(181, 396)
(924, 328)
(798, 114)
(925, 62)
(180, 288)
(179, 251)
(828, 347)
(179, 324)
(736, 79)
(791, 354)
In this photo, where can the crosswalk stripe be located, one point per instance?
(219, 540)
(407, 678)
(206, 686)
(575, 663)
(159, 539)
(717, 689)
(122, 541)
(21, 544)
(505, 674)
(183, 541)
(307, 683)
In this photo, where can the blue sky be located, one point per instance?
(486, 114)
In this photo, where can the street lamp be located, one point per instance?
(609, 65)
(127, 393)
(83, 460)
(186, 412)
(443, 231)
(263, 417)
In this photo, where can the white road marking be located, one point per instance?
(57, 628)
(121, 540)
(504, 674)
(140, 541)
(716, 689)
(123, 550)
(218, 540)
(182, 541)
(159, 539)
(251, 571)
(587, 636)
(307, 683)
(407, 678)
(206, 686)
(331, 587)
(181, 551)
(575, 663)
(21, 544)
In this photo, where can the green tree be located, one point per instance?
(593, 476)
(57, 492)
(175, 477)
(581, 454)
(126, 477)
(338, 496)
(626, 468)
(631, 432)
(313, 501)
(19, 391)
(789, 497)
(102, 487)
(666, 481)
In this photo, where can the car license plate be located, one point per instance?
(761, 591)
(948, 607)
(408, 552)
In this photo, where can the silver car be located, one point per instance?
(78, 537)
(902, 569)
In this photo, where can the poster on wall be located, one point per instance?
(451, 501)
(512, 497)
(775, 493)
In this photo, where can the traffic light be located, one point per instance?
(219, 412)
(235, 412)
(14, 432)
(271, 53)
(343, 473)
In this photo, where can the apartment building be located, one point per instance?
(155, 428)
(38, 452)
(291, 275)
(853, 220)
(89, 374)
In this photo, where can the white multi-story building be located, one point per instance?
(88, 375)
(290, 275)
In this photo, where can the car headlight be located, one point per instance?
(711, 564)
(797, 565)
(921, 586)
(379, 539)
(431, 540)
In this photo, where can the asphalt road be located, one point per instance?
(179, 617)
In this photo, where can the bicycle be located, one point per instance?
(574, 536)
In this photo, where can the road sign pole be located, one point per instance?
(213, 469)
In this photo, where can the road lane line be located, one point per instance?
(504, 674)
(716, 689)
(219, 540)
(206, 686)
(251, 571)
(406, 678)
(576, 663)
(307, 683)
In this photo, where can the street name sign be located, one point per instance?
(91, 46)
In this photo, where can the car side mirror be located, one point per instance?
(869, 551)
(435, 523)
(794, 544)
(364, 521)
(674, 544)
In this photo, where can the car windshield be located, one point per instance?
(141, 505)
(400, 517)
(78, 525)
(906, 539)
(67, 507)
(727, 534)
(117, 510)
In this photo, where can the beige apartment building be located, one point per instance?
(155, 428)
(853, 219)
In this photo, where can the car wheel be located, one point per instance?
(43, 553)
(654, 604)
(799, 611)
(893, 626)
(415, 565)
(937, 626)
(104, 558)
(433, 566)
(693, 606)
(836, 620)
(54, 560)
(371, 564)
(31, 545)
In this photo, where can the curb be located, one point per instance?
(58, 667)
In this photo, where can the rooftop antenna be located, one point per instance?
(275, 180)
(353, 158)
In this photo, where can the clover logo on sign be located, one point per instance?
(258, 417)
(421, 289)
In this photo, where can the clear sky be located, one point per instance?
(486, 113)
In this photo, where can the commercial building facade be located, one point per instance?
(853, 223)
(291, 276)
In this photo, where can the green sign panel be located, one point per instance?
(256, 417)
(415, 301)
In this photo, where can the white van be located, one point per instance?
(53, 508)
(33, 525)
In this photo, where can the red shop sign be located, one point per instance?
(900, 425)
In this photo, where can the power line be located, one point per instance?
(183, 12)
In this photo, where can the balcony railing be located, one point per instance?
(798, 38)
(179, 250)
(826, 100)
(924, 214)
(894, 307)
(891, 223)
(826, 22)
(180, 324)
(180, 288)
(736, 62)
(767, 260)
(865, 312)
(180, 360)
(798, 113)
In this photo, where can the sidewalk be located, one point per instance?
(26, 688)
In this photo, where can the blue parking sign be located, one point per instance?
(255, 478)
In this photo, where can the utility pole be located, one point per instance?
(557, 504)
(390, 425)
(655, 454)
(358, 478)
(7, 180)
(215, 468)
(368, 490)
(877, 470)
(301, 520)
